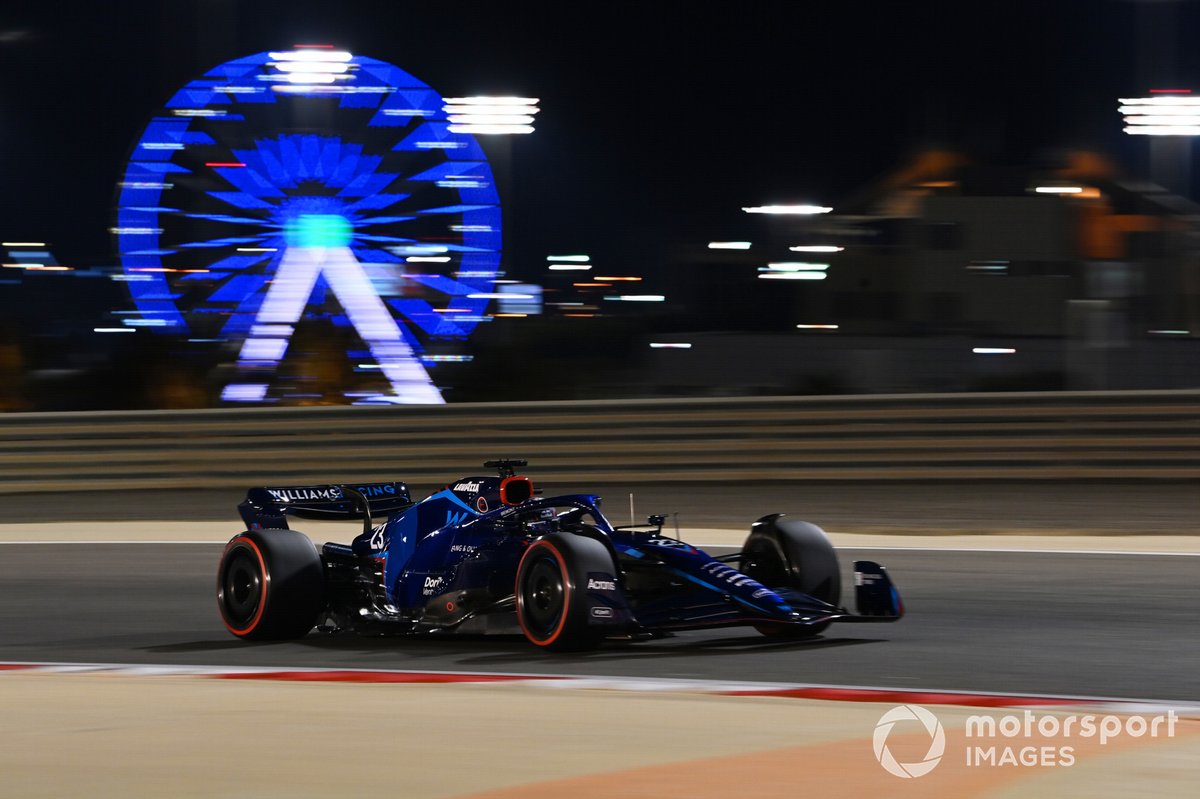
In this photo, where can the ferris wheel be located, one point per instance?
(303, 188)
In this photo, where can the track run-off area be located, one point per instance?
(1043, 610)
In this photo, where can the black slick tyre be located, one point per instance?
(788, 553)
(270, 585)
(552, 606)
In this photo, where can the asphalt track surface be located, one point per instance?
(1018, 622)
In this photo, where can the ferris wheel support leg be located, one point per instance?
(289, 294)
(373, 321)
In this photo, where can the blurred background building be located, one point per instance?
(950, 275)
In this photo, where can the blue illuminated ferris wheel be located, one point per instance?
(290, 189)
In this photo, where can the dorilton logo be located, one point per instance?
(937, 741)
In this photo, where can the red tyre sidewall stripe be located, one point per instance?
(562, 621)
(265, 582)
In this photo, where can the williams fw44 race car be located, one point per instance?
(486, 552)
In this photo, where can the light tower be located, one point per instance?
(1169, 118)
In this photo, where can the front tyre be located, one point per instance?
(550, 590)
(788, 553)
(270, 585)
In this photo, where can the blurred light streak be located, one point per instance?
(1058, 189)
(1169, 332)
(570, 267)
(500, 296)
(258, 249)
(816, 327)
(817, 248)
(419, 249)
(1166, 113)
(569, 258)
(627, 279)
(796, 266)
(427, 259)
(22, 244)
(637, 298)
(792, 276)
(490, 115)
(312, 67)
(447, 358)
(1165, 130)
(244, 392)
(113, 330)
(804, 210)
(993, 350)
(670, 345)
(312, 54)
(729, 245)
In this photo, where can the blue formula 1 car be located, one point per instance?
(487, 551)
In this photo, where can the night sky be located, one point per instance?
(660, 119)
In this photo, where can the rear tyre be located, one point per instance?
(270, 585)
(789, 553)
(551, 586)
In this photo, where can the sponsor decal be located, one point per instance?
(377, 490)
(468, 548)
(730, 575)
(328, 493)
(455, 517)
(432, 585)
(481, 505)
(601, 585)
(470, 488)
(602, 613)
(669, 543)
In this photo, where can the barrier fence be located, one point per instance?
(1054, 436)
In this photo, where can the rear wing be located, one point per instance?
(269, 506)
